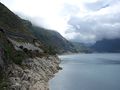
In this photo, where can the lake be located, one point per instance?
(88, 72)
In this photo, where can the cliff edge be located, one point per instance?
(22, 68)
(24, 65)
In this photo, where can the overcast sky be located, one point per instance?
(84, 21)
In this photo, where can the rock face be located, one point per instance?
(28, 73)
(24, 64)
(34, 75)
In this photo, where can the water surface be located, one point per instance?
(88, 72)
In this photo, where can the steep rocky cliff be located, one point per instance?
(34, 74)
(24, 65)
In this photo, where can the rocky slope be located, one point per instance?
(34, 75)
(23, 72)
(24, 65)
(51, 39)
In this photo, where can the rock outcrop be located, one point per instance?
(34, 74)
(24, 64)
(20, 71)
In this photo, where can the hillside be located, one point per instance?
(51, 39)
(81, 47)
(24, 65)
(105, 45)
(11, 22)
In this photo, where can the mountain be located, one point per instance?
(24, 65)
(106, 45)
(25, 31)
(52, 39)
(11, 22)
(80, 47)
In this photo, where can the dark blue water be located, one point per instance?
(88, 72)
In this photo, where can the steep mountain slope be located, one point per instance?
(24, 65)
(112, 45)
(51, 39)
(11, 22)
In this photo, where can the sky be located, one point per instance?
(85, 21)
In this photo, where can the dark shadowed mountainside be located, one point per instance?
(112, 45)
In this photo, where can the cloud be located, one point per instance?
(84, 21)
(95, 6)
(96, 25)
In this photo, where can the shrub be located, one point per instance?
(25, 50)
(19, 57)
(21, 47)
(13, 55)
(51, 50)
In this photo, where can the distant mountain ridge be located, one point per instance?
(106, 45)
(81, 47)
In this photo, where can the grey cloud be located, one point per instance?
(93, 28)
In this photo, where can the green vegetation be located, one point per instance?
(50, 50)
(16, 56)
(10, 52)
(3, 82)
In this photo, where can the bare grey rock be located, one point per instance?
(35, 73)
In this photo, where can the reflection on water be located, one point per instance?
(88, 72)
